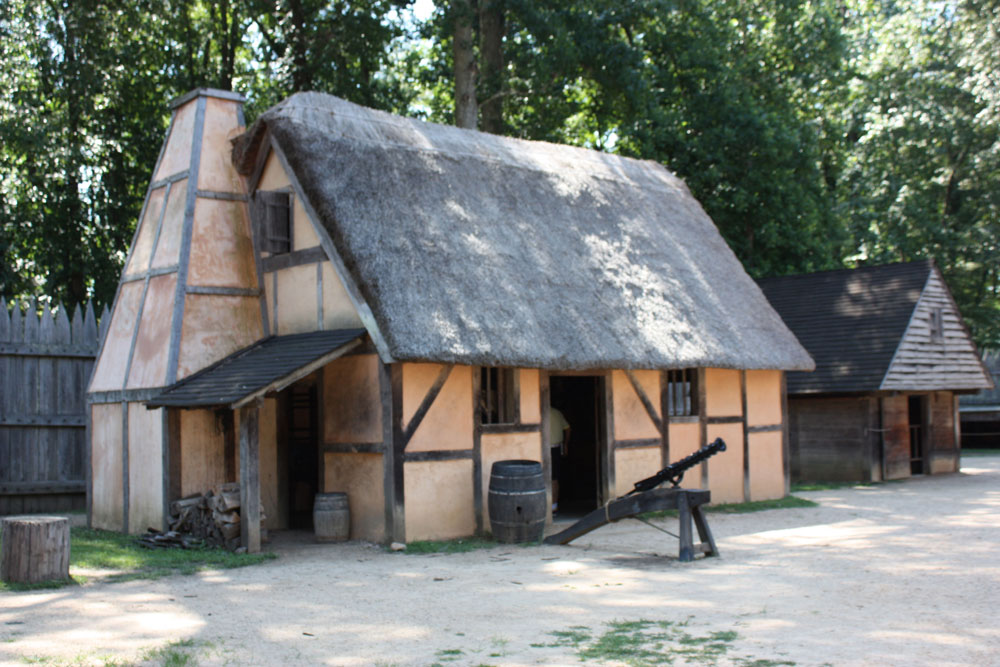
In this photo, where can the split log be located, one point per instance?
(35, 548)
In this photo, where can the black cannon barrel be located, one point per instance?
(674, 472)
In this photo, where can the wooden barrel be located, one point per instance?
(517, 501)
(331, 517)
(35, 548)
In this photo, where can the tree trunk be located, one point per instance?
(35, 549)
(491, 29)
(466, 105)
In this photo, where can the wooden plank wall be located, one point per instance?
(46, 359)
(925, 363)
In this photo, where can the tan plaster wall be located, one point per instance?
(297, 310)
(448, 423)
(222, 124)
(152, 345)
(685, 439)
(767, 473)
(268, 453)
(338, 309)
(353, 403)
(109, 374)
(203, 463)
(106, 466)
(500, 447)
(215, 326)
(360, 477)
(145, 468)
(142, 249)
(439, 500)
(168, 247)
(722, 393)
(221, 248)
(634, 464)
(177, 156)
(303, 232)
(763, 398)
(273, 177)
(530, 385)
(725, 470)
(632, 422)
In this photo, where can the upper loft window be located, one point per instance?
(937, 325)
(682, 392)
(273, 217)
(496, 389)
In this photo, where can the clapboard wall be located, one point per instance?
(45, 362)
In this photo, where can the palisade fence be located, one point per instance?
(45, 363)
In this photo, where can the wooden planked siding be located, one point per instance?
(829, 439)
(45, 363)
(924, 364)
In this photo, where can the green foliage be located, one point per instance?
(457, 546)
(815, 134)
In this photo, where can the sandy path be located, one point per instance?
(899, 574)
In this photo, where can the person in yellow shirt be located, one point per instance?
(558, 441)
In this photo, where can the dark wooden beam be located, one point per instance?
(606, 393)
(510, 428)
(250, 477)
(477, 453)
(746, 437)
(724, 420)
(766, 428)
(425, 405)
(786, 459)
(287, 260)
(229, 443)
(665, 420)
(646, 403)
(439, 455)
(702, 424)
(635, 444)
(391, 392)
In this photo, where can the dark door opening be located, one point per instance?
(303, 454)
(917, 434)
(578, 472)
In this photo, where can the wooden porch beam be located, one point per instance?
(250, 477)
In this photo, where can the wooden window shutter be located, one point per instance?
(272, 215)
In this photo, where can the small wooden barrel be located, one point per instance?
(35, 548)
(517, 501)
(331, 517)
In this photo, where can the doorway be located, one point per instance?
(578, 472)
(917, 411)
(302, 429)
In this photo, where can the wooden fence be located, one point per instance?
(45, 364)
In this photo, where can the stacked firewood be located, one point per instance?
(211, 517)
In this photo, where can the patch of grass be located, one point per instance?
(104, 550)
(980, 452)
(827, 486)
(458, 546)
(449, 654)
(787, 502)
(175, 654)
(644, 643)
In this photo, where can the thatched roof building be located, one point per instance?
(477, 249)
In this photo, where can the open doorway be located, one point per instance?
(577, 471)
(302, 433)
(918, 435)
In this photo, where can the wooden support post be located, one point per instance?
(250, 477)
(686, 548)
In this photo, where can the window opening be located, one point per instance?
(682, 398)
(274, 221)
(937, 325)
(497, 395)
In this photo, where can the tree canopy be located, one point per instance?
(816, 134)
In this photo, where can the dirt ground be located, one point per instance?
(903, 573)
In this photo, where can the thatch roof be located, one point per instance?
(477, 249)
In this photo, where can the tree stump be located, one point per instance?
(35, 548)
